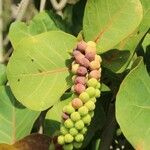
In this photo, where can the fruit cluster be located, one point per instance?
(78, 113)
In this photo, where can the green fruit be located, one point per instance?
(83, 110)
(77, 145)
(90, 105)
(61, 140)
(91, 113)
(75, 116)
(68, 109)
(92, 82)
(68, 147)
(68, 138)
(79, 137)
(63, 130)
(86, 119)
(93, 99)
(79, 125)
(73, 131)
(98, 85)
(84, 96)
(84, 130)
(98, 93)
(68, 123)
(91, 91)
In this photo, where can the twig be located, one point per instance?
(1, 31)
(58, 6)
(42, 5)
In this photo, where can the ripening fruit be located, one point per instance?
(84, 130)
(77, 54)
(92, 82)
(83, 62)
(98, 93)
(98, 58)
(81, 46)
(91, 43)
(93, 99)
(75, 116)
(84, 96)
(61, 140)
(68, 147)
(95, 74)
(90, 105)
(68, 109)
(79, 125)
(82, 71)
(83, 110)
(79, 88)
(73, 131)
(63, 130)
(77, 103)
(68, 123)
(80, 79)
(68, 138)
(75, 68)
(86, 119)
(65, 116)
(77, 145)
(79, 137)
(91, 91)
(94, 65)
(90, 56)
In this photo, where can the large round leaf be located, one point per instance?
(133, 107)
(108, 22)
(38, 69)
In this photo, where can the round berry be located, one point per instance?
(83, 110)
(98, 85)
(77, 145)
(79, 88)
(68, 138)
(74, 77)
(94, 65)
(84, 130)
(73, 131)
(92, 82)
(84, 62)
(98, 58)
(68, 147)
(95, 74)
(75, 116)
(77, 103)
(68, 123)
(90, 56)
(65, 116)
(91, 91)
(82, 46)
(77, 54)
(93, 99)
(79, 125)
(63, 130)
(86, 119)
(98, 93)
(90, 105)
(79, 137)
(84, 96)
(82, 71)
(91, 113)
(80, 79)
(75, 68)
(61, 140)
(68, 109)
(91, 43)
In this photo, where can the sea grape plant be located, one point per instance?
(80, 79)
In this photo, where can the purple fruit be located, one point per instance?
(79, 88)
(82, 46)
(90, 56)
(82, 71)
(83, 61)
(80, 79)
(65, 116)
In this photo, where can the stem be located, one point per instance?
(1, 31)
(58, 6)
(42, 5)
(22, 9)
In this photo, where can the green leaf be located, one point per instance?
(133, 107)
(16, 121)
(3, 77)
(108, 22)
(38, 71)
(41, 23)
(53, 117)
